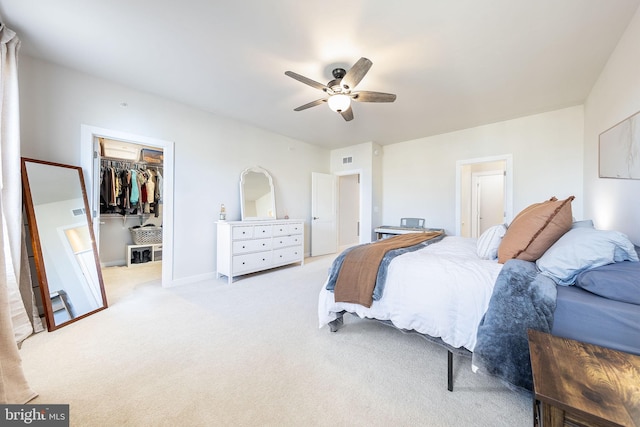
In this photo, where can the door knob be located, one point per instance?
(315, 217)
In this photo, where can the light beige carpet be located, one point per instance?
(251, 354)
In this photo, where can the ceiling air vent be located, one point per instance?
(347, 160)
(78, 212)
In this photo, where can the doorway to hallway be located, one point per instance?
(348, 211)
(335, 211)
(487, 200)
(483, 194)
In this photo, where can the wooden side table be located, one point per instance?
(580, 384)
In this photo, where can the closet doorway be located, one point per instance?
(131, 205)
(112, 229)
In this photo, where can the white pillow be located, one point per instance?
(584, 223)
(581, 249)
(489, 242)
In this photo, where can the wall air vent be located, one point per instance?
(347, 160)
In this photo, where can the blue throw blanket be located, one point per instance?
(382, 270)
(522, 299)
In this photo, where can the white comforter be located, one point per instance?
(442, 290)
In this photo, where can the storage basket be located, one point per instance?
(146, 235)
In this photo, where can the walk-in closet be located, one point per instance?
(130, 203)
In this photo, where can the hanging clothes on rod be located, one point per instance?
(128, 188)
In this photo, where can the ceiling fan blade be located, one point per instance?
(307, 81)
(356, 73)
(366, 96)
(347, 114)
(311, 104)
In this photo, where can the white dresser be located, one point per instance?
(248, 246)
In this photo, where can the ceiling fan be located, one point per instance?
(340, 90)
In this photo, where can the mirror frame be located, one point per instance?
(243, 175)
(37, 248)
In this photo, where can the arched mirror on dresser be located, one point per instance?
(63, 243)
(257, 198)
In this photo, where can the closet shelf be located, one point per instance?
(127, 216)
(131, 162)
(139, 217)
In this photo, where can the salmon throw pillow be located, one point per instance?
(535, 229)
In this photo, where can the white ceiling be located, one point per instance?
(453, 64)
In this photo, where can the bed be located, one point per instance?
(448, 306)
(455, 292)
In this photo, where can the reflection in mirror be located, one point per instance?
(257, 194)
(63, 243)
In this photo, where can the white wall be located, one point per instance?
(613, 203)
(210, 151)
(419, 176)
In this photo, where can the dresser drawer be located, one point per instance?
(252, 262)
(244, 246)
(262, 231)
(284, 241)
(287, 229)
(244, 232)
(287, 255)
(296, 228)
(281, 230)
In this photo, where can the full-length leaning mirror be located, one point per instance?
(64, 246)
(257, 199)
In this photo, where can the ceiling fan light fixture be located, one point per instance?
(340, 89)
(339, 102)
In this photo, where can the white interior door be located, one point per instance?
(487, 201)
(324, 238)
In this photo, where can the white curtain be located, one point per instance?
(14, 388)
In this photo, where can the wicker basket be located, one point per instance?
(146, 235)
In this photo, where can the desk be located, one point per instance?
(391, 230)
(580, 384)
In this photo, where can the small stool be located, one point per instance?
(59, 302)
